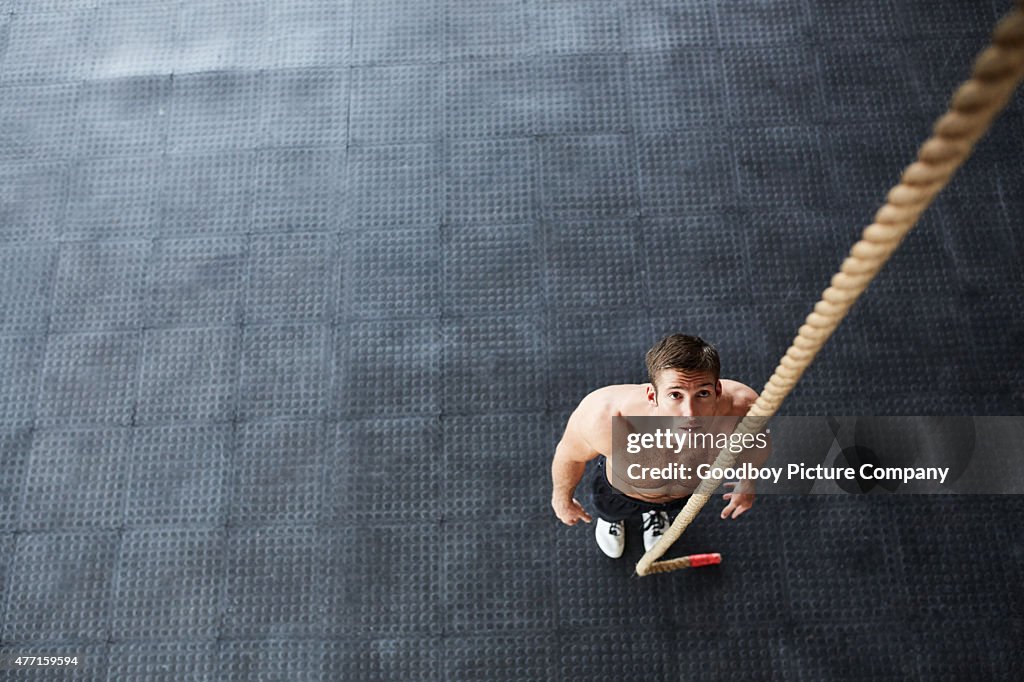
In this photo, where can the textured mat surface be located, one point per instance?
(295, 298)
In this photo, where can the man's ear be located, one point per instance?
(652, 394)
(718, 388)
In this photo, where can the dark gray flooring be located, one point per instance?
(295, 298)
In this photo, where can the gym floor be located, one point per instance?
(296, 297)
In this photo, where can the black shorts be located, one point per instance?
(611, 505)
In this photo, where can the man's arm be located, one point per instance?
(571, 457)
(741, 495)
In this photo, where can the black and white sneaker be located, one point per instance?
(655, 525)
(611, 537)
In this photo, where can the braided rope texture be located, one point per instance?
(996, 73)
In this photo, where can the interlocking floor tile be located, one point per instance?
(207, 194)
(214, 110)
(283, 371)
(677, 89)
(510, 602)
(20, 360)
(297, 190)
(165, 661)
(216, 36)
(489, 98)
(686, 171)
(400, 185)
(273, 586)
(188, 375)
(839, 21)
(668, 25)
(49, 46)
(513, 657)
(497, 29)
(51, 6)
(780, 22)
(487, 365)
(493, 269)
(967, 648)
(277, 473)
(134, 39)
(123, 116)
(773, 85)
(397, 30)
(32, 198)
(368, 588)
(981, 239)
(485, 448)
(590, 349)
(308, 33)
(577, 27)
(711, 250)
(792, 271)
(781, 167)
(26, 272)
(179, 476)
(304, 107)
(168, 585)
(491, 181)
(98, 286)
(923, 18)
(295, 659)
(393, 274)
(589, 176)
(962, 580)
(581, 95)
(15, 455)
(400, 658)
(113, 197)
(288, 278)
(394, 104)
(64, 582)
(941, 64)
(622, 654)
(596, 263)
(372, 384)
(866, 159)
(37, 122)
(869, 82)
(196, 281)
(89, 379)
(873, 585)
(851, 651)
(991, 166)
(371, 475)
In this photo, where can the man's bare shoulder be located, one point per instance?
(737, 397)
(592, 420)
(612, 401)
(597, 408)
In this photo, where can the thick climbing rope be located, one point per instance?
(996, 73)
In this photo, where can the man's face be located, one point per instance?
(683, 393)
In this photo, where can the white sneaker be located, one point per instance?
(611, 537)
(655, 525)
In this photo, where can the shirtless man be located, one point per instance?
(684, 383)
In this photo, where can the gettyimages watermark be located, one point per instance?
(873, 455)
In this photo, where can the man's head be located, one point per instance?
(684, 373)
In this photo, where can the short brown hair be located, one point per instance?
(679, 351)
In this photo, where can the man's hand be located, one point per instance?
(569, 511)
(740, 499)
